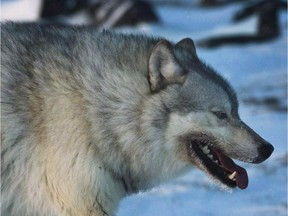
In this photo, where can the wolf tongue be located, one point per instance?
(229, 165)
(241, 177)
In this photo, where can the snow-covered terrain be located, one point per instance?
(259, 74)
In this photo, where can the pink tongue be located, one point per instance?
(229, 165)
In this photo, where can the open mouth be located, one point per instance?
(219, 165)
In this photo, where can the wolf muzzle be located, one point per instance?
(265, 149)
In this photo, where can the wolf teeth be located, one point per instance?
(232, 176)
(205, 149)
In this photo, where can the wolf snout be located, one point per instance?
(265, 150)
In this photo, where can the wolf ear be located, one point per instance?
(188, 45)
(163, 67)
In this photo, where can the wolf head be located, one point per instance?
(203, 127)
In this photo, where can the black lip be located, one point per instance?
(212, 167)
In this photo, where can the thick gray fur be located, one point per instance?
(85, 122)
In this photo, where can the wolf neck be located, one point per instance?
(127, 123)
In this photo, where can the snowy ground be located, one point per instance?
(259, 74)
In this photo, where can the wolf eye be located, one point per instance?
(221, 115)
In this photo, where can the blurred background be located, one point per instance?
(245, 41)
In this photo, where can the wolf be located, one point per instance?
(89, 117)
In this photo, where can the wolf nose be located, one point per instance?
(265, 151)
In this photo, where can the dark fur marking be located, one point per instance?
(74, 160)
(16, 141)
(160, 121)
(125, 185)
(97, 205)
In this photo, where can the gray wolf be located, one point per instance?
(89, 117)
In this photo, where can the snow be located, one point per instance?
(21, 10)
(257, 71)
